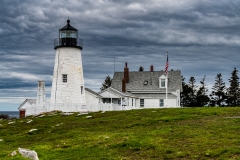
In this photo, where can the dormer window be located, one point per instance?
(162, 81)
(163, 84)
(145, 82)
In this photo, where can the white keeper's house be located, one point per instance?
(142, 89)
(128, 90)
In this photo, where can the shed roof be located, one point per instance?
(92, 92)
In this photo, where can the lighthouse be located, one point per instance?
(68, 93)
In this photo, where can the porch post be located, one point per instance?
(121, 104)
(111, 104)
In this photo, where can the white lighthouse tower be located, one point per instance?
(68, 93)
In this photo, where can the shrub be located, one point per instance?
(4, 116)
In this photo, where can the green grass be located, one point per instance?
(185, 133)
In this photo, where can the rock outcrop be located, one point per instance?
(28, 153)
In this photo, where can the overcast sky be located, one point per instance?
(202, 37)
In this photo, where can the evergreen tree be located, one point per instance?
(185, 94)
(202, 98)
(141, 68)
(218, 95)
(192, 96)
(233, 90)
(106, 83)
(193, 90)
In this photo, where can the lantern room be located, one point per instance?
(68, 37)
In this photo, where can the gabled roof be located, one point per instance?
(92, 92)
(31, 101)
(155, 95)
(117, 92)
(137, 79)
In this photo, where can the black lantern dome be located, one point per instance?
(68, 37)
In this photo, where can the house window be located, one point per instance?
(132, 101)
(161, 102)
(64, 78)
(119, 102)
(141, 102)
(163, 83)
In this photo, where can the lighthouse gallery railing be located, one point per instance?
(68, 42)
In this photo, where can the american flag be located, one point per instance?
(166, 68)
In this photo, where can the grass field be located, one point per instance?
(185, 133)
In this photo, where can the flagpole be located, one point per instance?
(167, 90)
(166, 71)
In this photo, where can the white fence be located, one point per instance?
(113, 107)
(33, 110)
(68, 107)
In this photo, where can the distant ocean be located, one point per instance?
(11, 113)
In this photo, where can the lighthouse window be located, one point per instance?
(64, 78)
(81, 89)
(71, 34)
(62, 34)
(68, 34)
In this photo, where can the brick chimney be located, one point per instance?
(123, 85)
(151, 68)
(126, 73)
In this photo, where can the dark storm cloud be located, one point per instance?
(202, 38)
